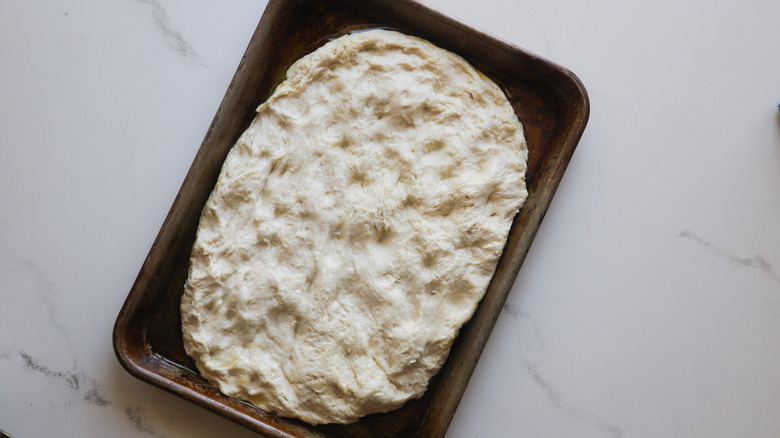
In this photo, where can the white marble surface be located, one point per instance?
(648, 306)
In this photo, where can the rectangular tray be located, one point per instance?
(551, 103)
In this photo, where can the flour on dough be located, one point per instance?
(354, 228)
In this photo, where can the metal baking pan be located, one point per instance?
(550, 102)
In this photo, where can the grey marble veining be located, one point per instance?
(43, 288)
(136, 416)
(539, 26)
(756, 262)
(86, 390)
(554, 395)
(172, 37)
(568, 409)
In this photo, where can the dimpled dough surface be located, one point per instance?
(354, 228)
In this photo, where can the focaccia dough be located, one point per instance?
(354, 228)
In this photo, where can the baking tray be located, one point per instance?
(549, 100)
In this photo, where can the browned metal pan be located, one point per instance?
(550, 102)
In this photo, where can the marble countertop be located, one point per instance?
(648, 306)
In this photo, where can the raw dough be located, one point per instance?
(354, 228)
